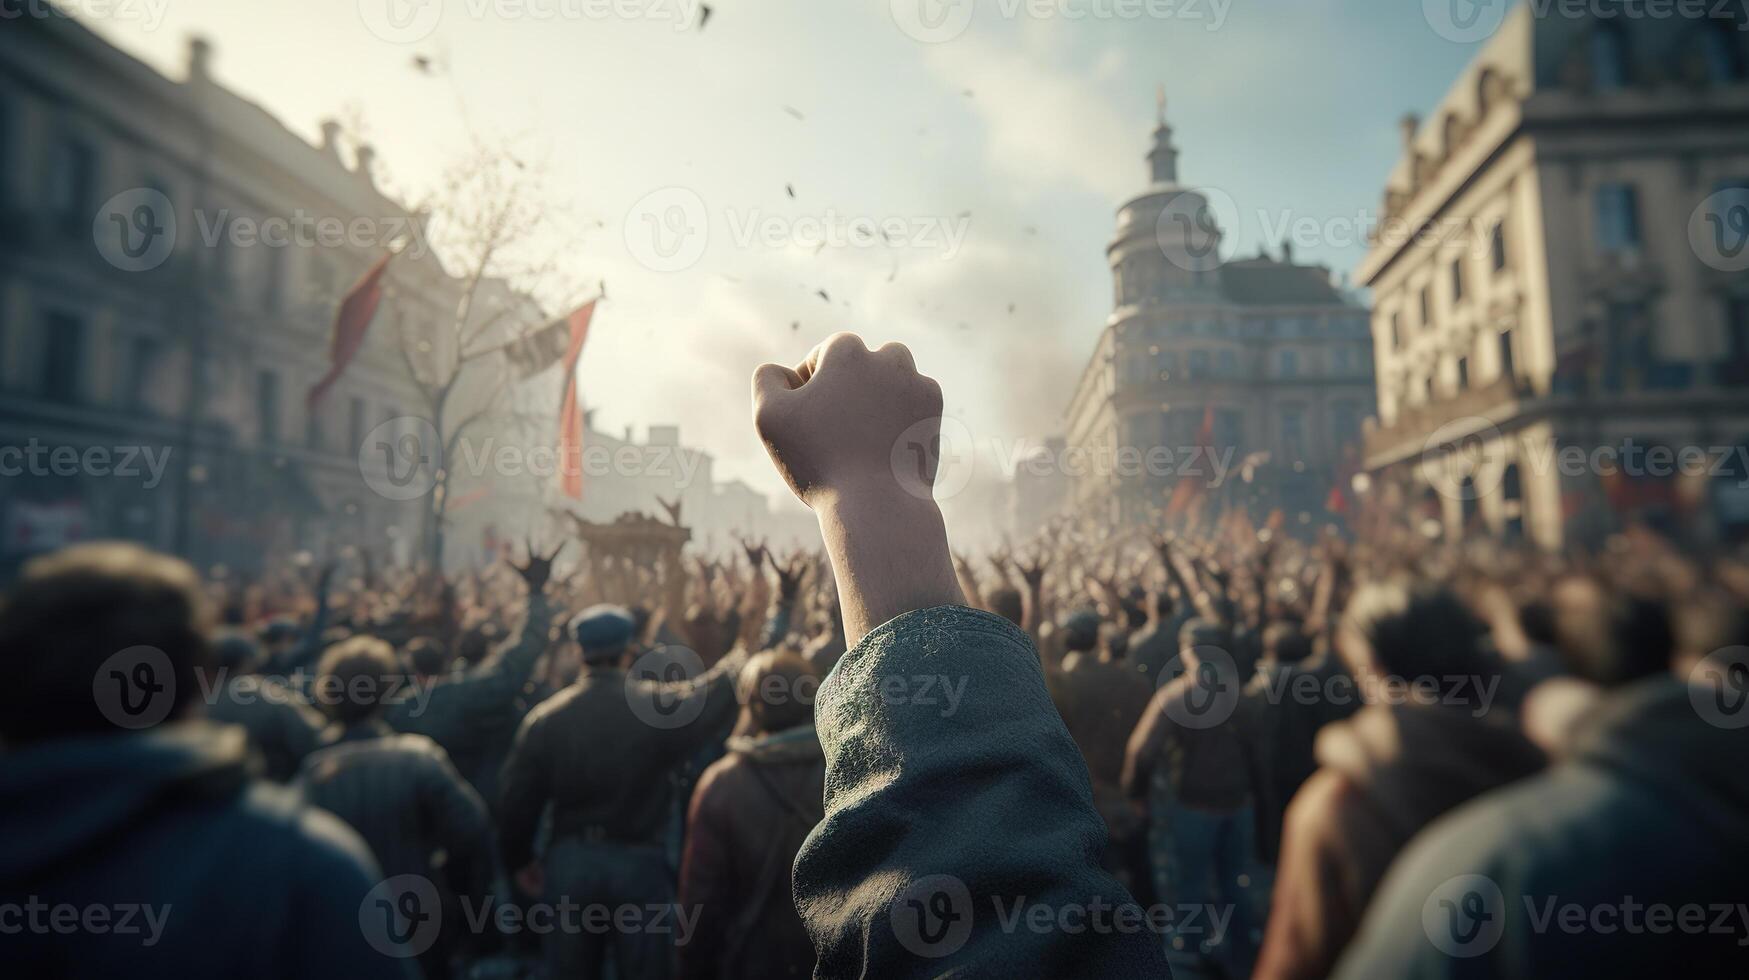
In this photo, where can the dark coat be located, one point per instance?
(474, 716)
(1100, 703)
(283, 728)
(1204, 764)
(1651, 805)
(940, 823)
(602, 757)
(749, 815)
(402, 796)
(256, 884)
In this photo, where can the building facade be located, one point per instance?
(151, 307)
(1205, 364)
(1560, 309)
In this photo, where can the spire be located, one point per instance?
(1163, 158)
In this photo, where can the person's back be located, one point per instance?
(1389, 770)
(599, 757)
(402, 796)
(474, 716)
(134, 840)
(1644, 830)
(749, 815)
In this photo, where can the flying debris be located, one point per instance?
(895, 273)
(823, 295)
(728, 278)
(964, 214)
(795, 326)
(792, 110)
(1010, 309)
(704, 15)
(1031, 230)
(967, 93)
(964, 325)
(422, 64)
(818, 247)
(604, 290)
(790, 189)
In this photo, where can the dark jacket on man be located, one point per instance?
(244, 879)
(475, 716)
(1651, 807)
(940, 824)
(603, 767)
(283, 728)
(403, 797)
(1100, 703)
(749, 815)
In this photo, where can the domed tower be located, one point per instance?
(1167, 245)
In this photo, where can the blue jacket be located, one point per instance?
(960, 835)
(188, 868)
(1556, 875)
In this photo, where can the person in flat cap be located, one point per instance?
(601, 752)
(602, 632)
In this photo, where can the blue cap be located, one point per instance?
(603, 627)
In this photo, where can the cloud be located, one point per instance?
(1045, 123)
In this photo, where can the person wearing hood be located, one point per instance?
(1425, 743)
(129, 828)
(749, 815)
(1624, 860)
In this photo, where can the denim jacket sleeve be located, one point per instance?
(958, 812)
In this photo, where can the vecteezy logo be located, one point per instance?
(1213, 689)
(1718, 230)
(934, 459)
(135, 230)
(932, 917)
(135, 688)
(1189, 228)
(667, 230)
(1464, 21)
(1718, 687)
(401, 458)
(401, 21)
(933, 21)
(1465, 916)
(401, 917)
(1459, 458)
(658, 689)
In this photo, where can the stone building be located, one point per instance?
(1557, 289)
(1269, 352)
(158, 298)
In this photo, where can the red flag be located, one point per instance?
(1189, 490)
(356, 312)
(570, 415)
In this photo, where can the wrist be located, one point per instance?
(889, 554)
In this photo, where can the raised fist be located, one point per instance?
(845, 420)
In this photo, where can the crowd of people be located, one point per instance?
(1215, 751)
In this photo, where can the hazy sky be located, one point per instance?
(1033, 118)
